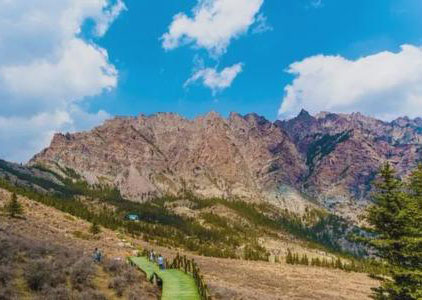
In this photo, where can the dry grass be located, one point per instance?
(227, 279)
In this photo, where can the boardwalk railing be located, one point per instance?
(189, 266)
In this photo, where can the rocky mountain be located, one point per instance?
(329, 158)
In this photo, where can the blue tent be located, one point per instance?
(133, 217)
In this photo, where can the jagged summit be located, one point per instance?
(330, 157)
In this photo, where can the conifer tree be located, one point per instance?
(397, 234)
(289, 257)
(95, 228)
(410, 275)
(13, 207)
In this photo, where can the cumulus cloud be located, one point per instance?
(46, 69)
(216, 81)
(214, 23)
(385, 85)
(21, 137)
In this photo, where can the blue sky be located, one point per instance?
(152, 79)
(69, 65)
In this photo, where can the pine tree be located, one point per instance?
(95, 228)
(338, 264)
(13, 207)
(397, 234)
(289, 257)
(410, 275)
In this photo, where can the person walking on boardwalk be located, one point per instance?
(161, 262)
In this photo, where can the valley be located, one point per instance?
(227, 278)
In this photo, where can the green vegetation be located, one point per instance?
(324, 146)
(208, 235)
(350, 264)
(176, 283)
(396, 220)
(13, 207)
(95, 228)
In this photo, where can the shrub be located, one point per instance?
(137, 294)
(95, 228)
(62, 293)
(38, 274)
(6, 274)
(81, 274)
(89, 294)
(6, 293)
(113, 266)
(119, 284)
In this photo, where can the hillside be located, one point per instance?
(227, 278)
(326, 160)
(46, 254)
(216, 227)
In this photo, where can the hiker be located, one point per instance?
(152, 256)
(100, 256)
(97, 255)
(161, 262)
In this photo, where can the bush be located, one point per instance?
(119, 284)
(62, 293)
(6, 293)
(89, 294)
(6, 274)
(114, 266)
(39, 274)
(81, 274)
(137, 294)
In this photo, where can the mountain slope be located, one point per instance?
(344, 152)
(328, 157)
(247, 157)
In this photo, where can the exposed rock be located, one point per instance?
(330, 158)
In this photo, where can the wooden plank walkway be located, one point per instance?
(176, 284)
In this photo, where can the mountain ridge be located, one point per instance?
(329, 157)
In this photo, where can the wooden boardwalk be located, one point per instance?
(176, 284)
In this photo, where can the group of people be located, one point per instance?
(158, 259)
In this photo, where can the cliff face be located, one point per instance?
(244, 156)
(330, 157)
(343, 153)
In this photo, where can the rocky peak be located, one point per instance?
(329, 157)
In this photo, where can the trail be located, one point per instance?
(176, 284)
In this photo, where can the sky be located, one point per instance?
(69, 65)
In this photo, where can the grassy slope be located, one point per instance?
(226, 278)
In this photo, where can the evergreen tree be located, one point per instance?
(13, 207)
(410, 275)
(338, 263)
(397, 236)
(289, 257)
(95, 228)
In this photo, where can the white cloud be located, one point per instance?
(262, 25)
(213, 25)
(22, 137)
(46, 68)
(216, 81)
(385, 85)
(316, 3)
